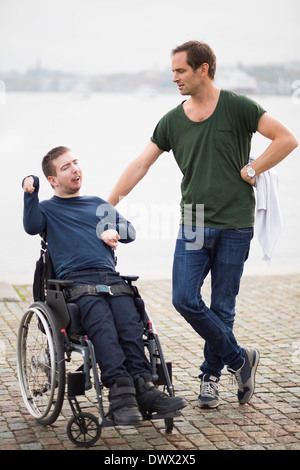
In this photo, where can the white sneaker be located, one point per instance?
(209, 392)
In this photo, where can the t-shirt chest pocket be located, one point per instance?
(225, 140)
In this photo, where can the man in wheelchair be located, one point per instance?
(82, 234)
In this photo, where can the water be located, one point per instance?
(106, 131)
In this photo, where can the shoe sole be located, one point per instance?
(170, 408)
(208, 407)
(127, 422)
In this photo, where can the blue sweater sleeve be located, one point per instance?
(111, 218)
(34, 221)
(125, 229)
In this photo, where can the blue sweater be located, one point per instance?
(73, 227)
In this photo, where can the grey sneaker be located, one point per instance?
(209, 393)
(245, 376)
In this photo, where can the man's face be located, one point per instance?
(68, 178)
(185, 77)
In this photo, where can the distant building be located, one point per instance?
(236, 79)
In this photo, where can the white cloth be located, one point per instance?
(268, 222)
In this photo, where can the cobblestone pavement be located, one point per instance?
(267, 317)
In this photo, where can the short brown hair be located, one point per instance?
(47, 163)
(198, 53)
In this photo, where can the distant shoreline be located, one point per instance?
(268, 79)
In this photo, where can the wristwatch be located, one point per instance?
(250, 171)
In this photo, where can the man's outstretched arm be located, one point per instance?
(134, 172)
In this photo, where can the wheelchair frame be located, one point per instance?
(46, 343)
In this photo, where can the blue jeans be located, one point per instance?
(114, 326)
(223, 253)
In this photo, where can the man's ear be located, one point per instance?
(52, 181)
(203, 69)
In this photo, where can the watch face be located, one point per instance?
(251, 172)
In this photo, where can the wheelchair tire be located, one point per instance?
(83, 430)
(41, 364)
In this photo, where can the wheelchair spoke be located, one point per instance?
(83, 429)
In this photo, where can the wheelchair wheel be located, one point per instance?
(83, 429)
(41, 365)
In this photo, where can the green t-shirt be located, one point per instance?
(210, 155)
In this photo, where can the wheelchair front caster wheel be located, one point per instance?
(83, 429)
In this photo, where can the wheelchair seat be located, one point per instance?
(68, 313)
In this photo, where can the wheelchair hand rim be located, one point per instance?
(30, 397)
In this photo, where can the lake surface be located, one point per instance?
(106, 131)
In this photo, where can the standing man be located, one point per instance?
(210, 135)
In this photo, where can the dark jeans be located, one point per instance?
(114, 326)
(222, 253)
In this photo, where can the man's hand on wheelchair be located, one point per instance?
(28, 185)
(111, 238)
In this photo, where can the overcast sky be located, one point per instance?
(104, 36)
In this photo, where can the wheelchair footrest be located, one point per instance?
(171, 414)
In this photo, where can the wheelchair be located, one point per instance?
(49, 333)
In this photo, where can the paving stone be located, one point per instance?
(267, 317)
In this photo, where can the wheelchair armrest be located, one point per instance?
(59, 284)
(130, 279)
(56, 301)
